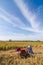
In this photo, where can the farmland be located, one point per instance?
(11, 45)
(8, 55)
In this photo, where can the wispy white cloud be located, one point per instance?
(15, 36)
(15, 21)
(31, 18)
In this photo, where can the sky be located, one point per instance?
(21, 19)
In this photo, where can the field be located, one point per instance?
(8, 55)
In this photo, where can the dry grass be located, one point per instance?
(10, 57)
(12, 45)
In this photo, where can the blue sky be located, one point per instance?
(21, 19)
